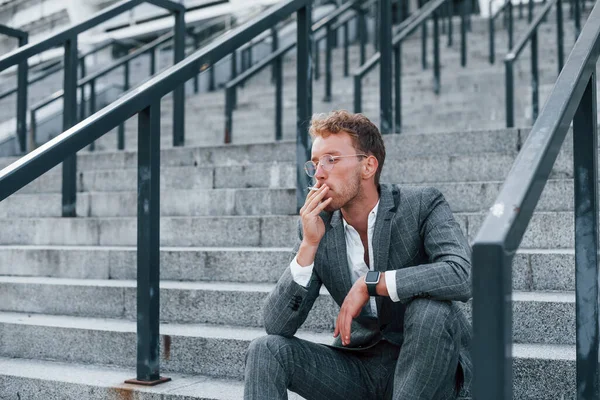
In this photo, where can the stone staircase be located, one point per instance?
(68, 288)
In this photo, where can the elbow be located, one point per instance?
(464, 288)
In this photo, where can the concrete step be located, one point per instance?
(200, 201)
(202, 349)
(240, 304)
(533, 269)
(547, 230)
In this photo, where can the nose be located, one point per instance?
(320, 173)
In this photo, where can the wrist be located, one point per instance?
(306, 254)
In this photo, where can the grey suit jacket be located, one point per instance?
(415, 234)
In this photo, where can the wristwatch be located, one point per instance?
(372, 279)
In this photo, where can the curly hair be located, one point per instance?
(365, 135)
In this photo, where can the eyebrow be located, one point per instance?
(332, 153)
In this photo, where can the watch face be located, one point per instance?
(372, 277)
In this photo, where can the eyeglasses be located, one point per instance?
(327, 161)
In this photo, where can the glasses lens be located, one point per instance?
(310, 168)
(327, 162)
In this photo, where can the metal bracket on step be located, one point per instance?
(160, 380)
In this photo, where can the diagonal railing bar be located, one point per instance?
(22, 72)
(67, 37)
(573, 99)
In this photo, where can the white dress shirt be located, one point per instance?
(356, 260)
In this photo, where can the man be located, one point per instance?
(394, 260)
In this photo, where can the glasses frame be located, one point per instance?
(326, 166)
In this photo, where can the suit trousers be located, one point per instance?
(426, 366)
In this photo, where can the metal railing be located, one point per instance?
(22, 72)
(68, 38)
(91, 81)
(573, 99)
(532, 36)
(57, 66)
(431, 9)
(506, 10)
(408, 27)
(331, 23)
(145, 103)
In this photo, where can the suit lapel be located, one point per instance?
(336, 253)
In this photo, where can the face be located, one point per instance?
(344, 180)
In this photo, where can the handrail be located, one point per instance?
(68, 37)
(57, 66)
(573, 98)
(275, 59)
(513, 54)
(145, 101)
(506, 9)
(22, 72)
(91, 80)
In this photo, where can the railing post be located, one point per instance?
(534, 78)
(357, 94)
(304, 102)
(69, 168)
(31, 145)
(520, 9)
(233, 76)
(211, 78)
(385, 65)
(92, 145)
(424, 44)
(509, 86)
(577, 19)
(274, 47)
(585, 172)
(398, 86)
(121, 130)
(436, 54)
(510, 25)
(463, 34)
(317, 59)
(492, 322)
(179, 92)
(82, 90)
(559, 35)
(153, 61)
(229, 93)
(530, 11)
(196, 76)
(376, 36)
(450, 21)
(363, 34)
(346, 51)
(492, 35)
(148, 245)
(22, 73)
(278, 69)
(328, 47)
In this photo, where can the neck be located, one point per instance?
(356, 212)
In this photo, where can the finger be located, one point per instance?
(341, 324)
(346, 329)
(316, 199)
(321, 206)
(312, 193)
(336, 331)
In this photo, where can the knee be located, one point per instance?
(265, 346)
(428, 313)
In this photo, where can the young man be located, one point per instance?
(395, 261)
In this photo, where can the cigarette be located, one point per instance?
(313, 188)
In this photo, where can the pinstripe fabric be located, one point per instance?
(416, 235)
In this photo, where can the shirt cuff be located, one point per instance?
(301, 275)
(390, 283)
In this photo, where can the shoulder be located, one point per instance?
(411, 194)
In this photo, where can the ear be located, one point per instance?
(370, 165)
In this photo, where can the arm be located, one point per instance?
(287, 306)
(447, 275)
